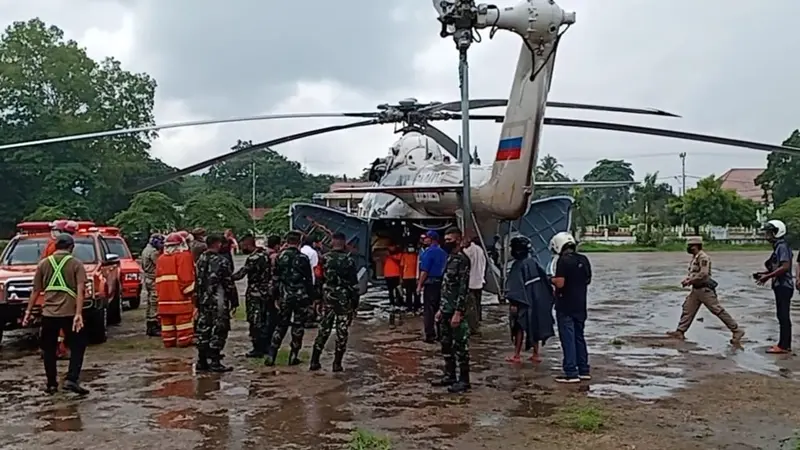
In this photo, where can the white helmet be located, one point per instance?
(561, 239)
(777, 227)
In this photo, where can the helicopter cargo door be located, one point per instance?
(316, 220)
(545, 218)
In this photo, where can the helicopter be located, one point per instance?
(415, 185)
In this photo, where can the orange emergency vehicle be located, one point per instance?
(103, 303)
(130, 272)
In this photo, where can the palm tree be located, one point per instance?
(549, 169)
(650, 200)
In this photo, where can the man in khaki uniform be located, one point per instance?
(62, 279)
(703, 293)
(149, 258)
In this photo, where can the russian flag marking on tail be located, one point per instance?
(509, 149)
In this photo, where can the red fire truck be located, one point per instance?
(103, 302)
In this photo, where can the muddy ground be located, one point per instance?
(647, 393)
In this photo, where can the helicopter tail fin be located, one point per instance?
(507, 193)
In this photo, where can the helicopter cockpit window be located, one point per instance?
(377, 170)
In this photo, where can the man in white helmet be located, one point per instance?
(572, 276)
(779, 272)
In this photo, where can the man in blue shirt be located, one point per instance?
(432, 263)
(779, 270)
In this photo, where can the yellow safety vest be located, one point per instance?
(57, 282)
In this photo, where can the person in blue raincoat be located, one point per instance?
(531, 300)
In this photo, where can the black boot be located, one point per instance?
(202, 361)
(269, 359)
(294, 357)
(337, 361)
(216, 363)
(449, 377)
(463, 380)
(315, 365)
(256, 352)
(153, 328)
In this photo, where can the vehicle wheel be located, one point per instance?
(133, 303)
(115, 308)
(96, 322)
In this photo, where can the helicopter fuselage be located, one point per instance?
(418, 160)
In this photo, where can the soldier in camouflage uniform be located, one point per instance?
(217, 299)
(340, 301)
(455, 331)
(271, 311)
(258, 270)
(149, 257)
(197, 243)
(293, 286)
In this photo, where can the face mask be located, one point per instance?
(689, 249)
(248, 251)
(449, 246)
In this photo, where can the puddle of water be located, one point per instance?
(532, 407)
(61, 419)
(651, 387)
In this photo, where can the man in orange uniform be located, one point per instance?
(175, 291)
(58, 227)
(410, 265)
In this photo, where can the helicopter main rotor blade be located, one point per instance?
(194, 123)
(253, 148)
(442, 139)
(636, 129)
(489, 103)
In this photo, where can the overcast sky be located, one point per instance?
(727, 66)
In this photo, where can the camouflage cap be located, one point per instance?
(694, 240)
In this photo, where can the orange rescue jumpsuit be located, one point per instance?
(175, 291)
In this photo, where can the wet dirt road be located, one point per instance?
(648, 392)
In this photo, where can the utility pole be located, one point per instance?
(253, 173)
(682, 155)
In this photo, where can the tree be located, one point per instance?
(277, 178)
(789, 213)
(276, 220)
(50, 87)
(611, 200)
(217, 211)
(46, 213)
(584, 210)
(709, 204)
(650, 199)
(549, 169)
(149, 212)
(782, 176)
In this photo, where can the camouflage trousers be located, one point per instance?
(330, 319)
(212, 327)
(291, 313)
(455, 343)
(150, 300)
(473, 313)
(258, 317)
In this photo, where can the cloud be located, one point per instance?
(727, 66)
